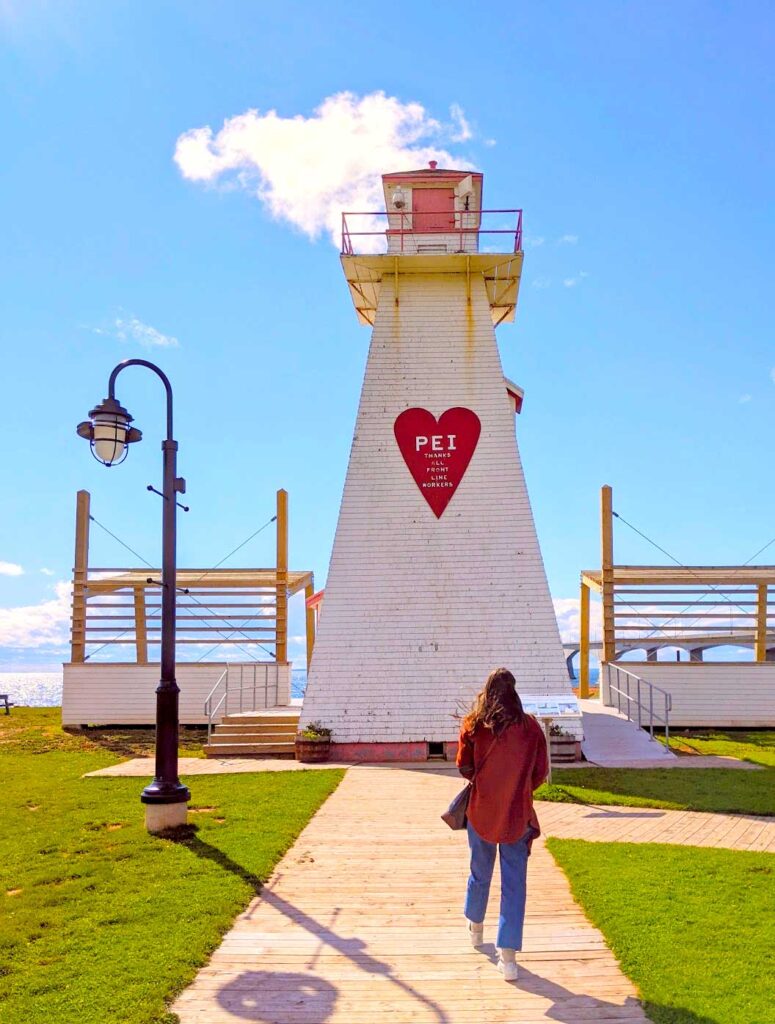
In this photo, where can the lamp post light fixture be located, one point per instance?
(110, 435)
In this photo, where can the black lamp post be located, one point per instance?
(110, 434)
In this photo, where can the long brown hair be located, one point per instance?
(498, 705)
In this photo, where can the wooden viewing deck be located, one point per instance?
(362, 922)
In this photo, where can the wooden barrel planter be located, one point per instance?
(313, 744)
(562, 749)
(312, 751)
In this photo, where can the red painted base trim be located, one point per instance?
(375, 752)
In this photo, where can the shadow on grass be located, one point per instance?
(135, 741)
(604, 810)
(254, 995)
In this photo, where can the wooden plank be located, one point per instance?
(309, 590)
(761, 623)
(141, 633)
(584, 640)
(80, 575)
(281, 585)
(607, 573)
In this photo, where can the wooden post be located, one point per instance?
(761, 622)
(80, 576)
(309, 590)
(607, 559)
(141, 632)
(584, 643)
(281, 600)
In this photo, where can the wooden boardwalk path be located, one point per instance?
(362, 922)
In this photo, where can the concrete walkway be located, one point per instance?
(611, 740)
(361, 922)
(144, 767)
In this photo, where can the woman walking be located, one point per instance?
(504, 751)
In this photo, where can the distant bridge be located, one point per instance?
(694, 645)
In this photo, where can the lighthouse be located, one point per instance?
(436, 575)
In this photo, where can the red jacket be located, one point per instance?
(501, 804)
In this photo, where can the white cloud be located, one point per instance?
(571, 282)
(745, 398)
(568, 240)
(147, 336)
(133, 330)
(533, 241)
(308, 170)
(10, 569)
(48, 572)
(567, 610)
(38, 625)
(541, 282)
(461, 129)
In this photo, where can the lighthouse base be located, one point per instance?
(375, 753)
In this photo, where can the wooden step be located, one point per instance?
(252, 736)
(249, 749)
(257, 718)
(269, 728)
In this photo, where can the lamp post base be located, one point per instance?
(160, 817)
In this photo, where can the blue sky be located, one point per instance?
(636, 136)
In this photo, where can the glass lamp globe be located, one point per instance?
(109, 433)
(110, 438)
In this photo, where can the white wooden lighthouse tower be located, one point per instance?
(436, 575)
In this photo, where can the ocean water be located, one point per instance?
(33, 689)
(44, 689)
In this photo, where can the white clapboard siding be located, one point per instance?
(125, 694)
(418, 610)
(713, 693)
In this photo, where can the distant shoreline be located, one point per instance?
(44, 689)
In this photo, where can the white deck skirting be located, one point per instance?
(721, 694)
(125, 694)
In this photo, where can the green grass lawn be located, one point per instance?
(693, 928)
(99, 922)
(757, 746)
(692, 789)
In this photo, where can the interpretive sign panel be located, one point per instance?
(550, 706)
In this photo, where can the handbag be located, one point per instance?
(456, 815)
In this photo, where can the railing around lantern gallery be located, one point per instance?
(635, 698)
(402, 231)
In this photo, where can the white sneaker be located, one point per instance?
(508, 969)
(476, 932)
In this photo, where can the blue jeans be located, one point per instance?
(513, 886)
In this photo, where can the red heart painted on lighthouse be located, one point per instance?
(437, 452)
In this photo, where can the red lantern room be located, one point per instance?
(433, 211)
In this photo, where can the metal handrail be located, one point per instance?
(209, 709)
(636, 700)
(241, 687)
(405, 216)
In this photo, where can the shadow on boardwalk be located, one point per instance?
(244, 997)
(567, 1004)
